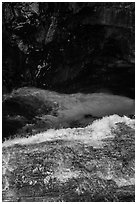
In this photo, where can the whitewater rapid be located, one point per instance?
(92, 134)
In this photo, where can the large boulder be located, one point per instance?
(91, 164)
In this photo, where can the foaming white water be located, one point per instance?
(92, 134)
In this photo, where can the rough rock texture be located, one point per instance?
(69, 47)
(95, 163)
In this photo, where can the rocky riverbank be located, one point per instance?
(95, 163)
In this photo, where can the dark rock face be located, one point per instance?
(71, 169)
(71, 47)
(86, 51)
